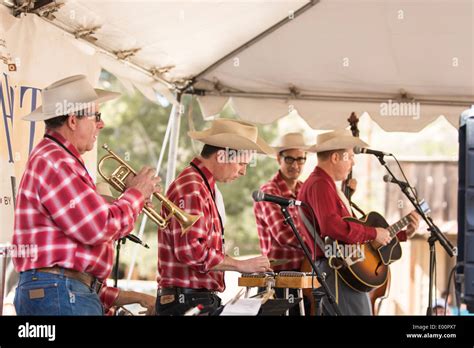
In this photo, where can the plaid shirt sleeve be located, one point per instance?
(402, 236)
(271, 224)
(80, 212)
(193, 248)
(108, 295)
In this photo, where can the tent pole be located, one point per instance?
(176, 114)
(331, 98)
(3, 270)
(145, 217)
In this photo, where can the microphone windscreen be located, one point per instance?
(387, 178)
(357, 150)
(257, 196)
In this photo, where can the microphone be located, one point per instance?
(389, 178)
(358, 150)
(137, 240)
(260, 196)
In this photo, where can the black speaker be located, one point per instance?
(465, 268)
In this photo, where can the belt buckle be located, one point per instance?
(167, 291)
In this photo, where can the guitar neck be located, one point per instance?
(398, 226)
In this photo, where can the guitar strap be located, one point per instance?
(313, 230)
(316, 233)
(356, 207)
(344, 200)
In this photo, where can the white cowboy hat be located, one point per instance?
(336, 140)
(67, 96)
(291, 141)
(233, 134)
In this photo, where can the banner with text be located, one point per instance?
(34, 54)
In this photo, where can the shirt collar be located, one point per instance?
(321, 173)
(207, 173)
(283, 186)
(66, 143)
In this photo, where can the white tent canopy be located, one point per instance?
(323, 59)
(343, 56)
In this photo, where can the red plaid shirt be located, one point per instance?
(277, 240)
(59, 210)
(187, 260)
(319, 191)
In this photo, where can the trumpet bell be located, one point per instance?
(117, 180)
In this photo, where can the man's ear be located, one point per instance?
(72, 121)
(280, 156)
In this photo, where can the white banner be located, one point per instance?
(42, 54)
(7, 170)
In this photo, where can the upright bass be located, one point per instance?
(379, 294)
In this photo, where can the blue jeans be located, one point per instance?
(40, 293)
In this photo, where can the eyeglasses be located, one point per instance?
(97, 116)
(291, 160)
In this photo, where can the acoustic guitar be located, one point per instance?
(367, 269)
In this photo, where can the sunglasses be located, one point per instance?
(291, 160)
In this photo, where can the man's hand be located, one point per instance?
(352, 184)
(383, 236)
(255, 264)
(129, 297)
(145, 181)
(414, 218)
(148, 302)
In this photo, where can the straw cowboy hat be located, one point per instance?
(291, 141)
(67, 96)
(336, 140)
(233, 134)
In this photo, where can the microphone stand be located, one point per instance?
(436, 234)
(320, 277)
(134, 239)
(117, 257)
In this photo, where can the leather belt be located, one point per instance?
(85, 278)
(185, 291)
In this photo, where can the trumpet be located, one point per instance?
(117, 181)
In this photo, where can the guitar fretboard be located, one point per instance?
(398, 226)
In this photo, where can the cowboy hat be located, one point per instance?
(233, 134)
(67, 96)
(291, 141)
(336, 140)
